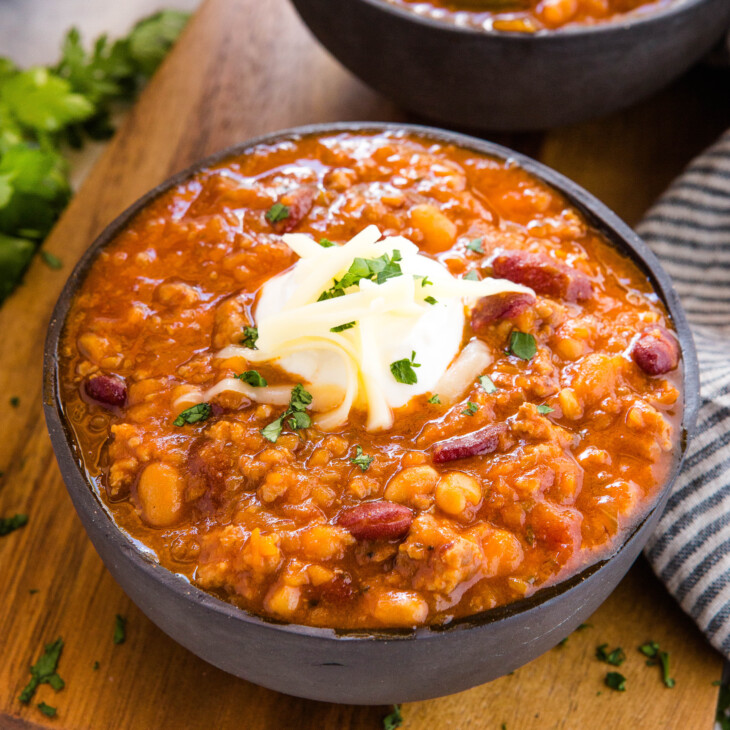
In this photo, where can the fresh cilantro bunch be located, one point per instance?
(43, 108)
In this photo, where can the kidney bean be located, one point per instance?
(107, 390)
(656, 351)
(338, 590)
(543, 274)
(499, 306)
(483, 441)
(377, 521)
(299, 202)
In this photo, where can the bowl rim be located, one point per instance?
(623, 22)
(598, 215)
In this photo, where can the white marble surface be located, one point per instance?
(31, 30)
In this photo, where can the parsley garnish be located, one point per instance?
(430, 300)
(472, 276)
(723, 705)
(53, 262)
(120, 629)
(343, 327)
(475, 245)
(378, 270)
(522, 345)
(424, 280)
(250, 337)
(403, 370)
(530, 536)
(471, 408)
(47, 710)
(361, 460)
(487, 385)
(95, 666)
(616, 681)
(277, 212)
(200, 412)
(544, 409)
(15, 402)
(656, 656)
(44, 672)
(295, 415)
(615, 658)
(435, 399)
(9, 524)
(44, 109)
(325, 243)
(394, 720)
(254, 378)
(583, 627)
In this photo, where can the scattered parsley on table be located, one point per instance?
(120, 629)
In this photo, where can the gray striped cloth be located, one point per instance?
(689, 230)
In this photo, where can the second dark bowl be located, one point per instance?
(373, 667)
(514, 81)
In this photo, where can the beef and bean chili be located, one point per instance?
(529, 16)
(538, 467)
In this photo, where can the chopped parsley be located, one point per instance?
(424, 280)
(522, 345)
(10, 524)
(544, 409)
(44, 672)
(583, 627)
(295, 416)
(471, 408)
(47, 710)
(378, 270)
(394, 720)
(615, 681)
(430, 300)
(475, 245)
(325, 243)
(487, 385)
(250, 336)
(435, 399)
(615, 658)
(277, 212)
(199, 412)
(562, 643)
(360, 459)
(254, 378)
(95, 666)
(52, 262)
(120, 629)
(530, 536)
(15, 402)
(657, 656)
(723, 705)
(403, 370)
(343, 327)
(472, 276)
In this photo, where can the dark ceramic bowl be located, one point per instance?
(513, 81)
(380, 666)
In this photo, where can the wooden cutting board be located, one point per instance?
(245, 67)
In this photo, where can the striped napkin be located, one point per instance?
(689, 230)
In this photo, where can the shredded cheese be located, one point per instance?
(351, 368)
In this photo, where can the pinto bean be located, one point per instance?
(543, 274)
(499, 306)
(656, 351)
(377, 521)
(299, 202)
(483, 441)
(107, 390)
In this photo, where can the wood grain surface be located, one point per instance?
(244, 67)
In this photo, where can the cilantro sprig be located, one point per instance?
(43, 108)
(360, 459)
(44, 672)
(199, 412)
(295, 416)
(10, 524)
(378, 270)
(403, 370)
